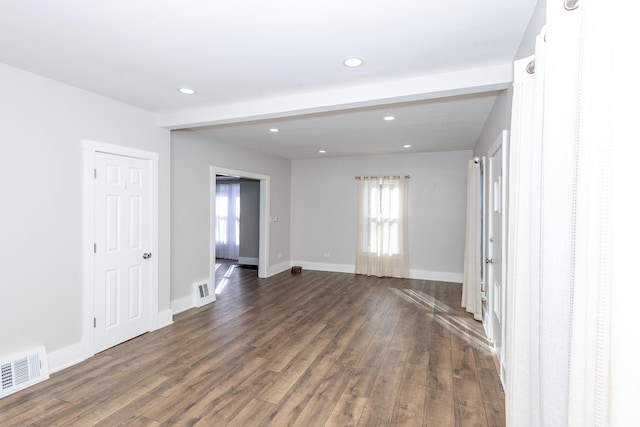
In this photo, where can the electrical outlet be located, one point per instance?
(327, 255)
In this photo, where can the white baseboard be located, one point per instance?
(278, 268)
(182, 304)
(436, 276)
(165, 318)
(66, 357)
(247, 260)
(321, 266)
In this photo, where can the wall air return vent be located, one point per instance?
(23, 370)
(203, 293)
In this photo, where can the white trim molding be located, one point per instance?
(436, 276)
(279, 268)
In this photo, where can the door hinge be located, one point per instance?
(94, 322)
(95, 173)
(95, 248)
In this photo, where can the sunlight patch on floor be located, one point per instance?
(225, 281)
(446, 316)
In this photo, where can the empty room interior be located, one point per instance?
(317, 213)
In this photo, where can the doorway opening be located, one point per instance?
(253, 183)
(237, 221)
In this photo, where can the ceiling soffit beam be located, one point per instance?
(421, 88)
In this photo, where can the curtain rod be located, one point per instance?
(385, 176)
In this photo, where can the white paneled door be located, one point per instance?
(496, 247)
(122, 249)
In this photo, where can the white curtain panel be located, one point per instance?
(471, 296)
(603, 371)
(572, 354)
(614, 50)
(382, 237)
(521, 346)
(227, 220)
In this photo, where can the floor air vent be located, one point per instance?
(23, 371)
(203, 293)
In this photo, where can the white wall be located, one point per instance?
(249, 219)
(191, 156)
(324, 210)
(43, 124)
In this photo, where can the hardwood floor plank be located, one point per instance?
(347, 412)
(383, 400)
(289, 349)
(30, 416)
(468, 403)
(290, 375)
(132, 411)
(191, 403)
(137, 421)
(253, 414)
(412, 395)
(440, 369)
(228, 406)
(316, 348)
(462, 360)
(292, 404)
(362, 381)
(318, 409)
(439, 410)
(116, 400)
(492, 396)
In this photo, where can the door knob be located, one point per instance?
(489, 261)
(146, 255)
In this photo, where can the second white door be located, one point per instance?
(496, 246)
(122, 249)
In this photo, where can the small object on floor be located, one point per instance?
(296, 269)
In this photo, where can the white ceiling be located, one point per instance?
(435, 65)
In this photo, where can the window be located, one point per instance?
(382, 229)
(227, 221)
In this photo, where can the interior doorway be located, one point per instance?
(237, 225)
(221, 174)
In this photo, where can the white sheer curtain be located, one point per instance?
(618, 36)
(471, 298)
(522, 341)
(382, 245)
(572, 353)
(227, 220)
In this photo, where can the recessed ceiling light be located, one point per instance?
(353, 62)
(406, 146)
(389, 118)
(274, 130)
(186, 91)
(322, 151)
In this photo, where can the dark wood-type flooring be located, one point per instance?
(314, 349)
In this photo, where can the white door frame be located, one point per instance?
(263, 251)
(89, 149)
